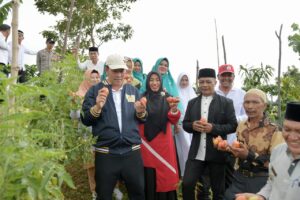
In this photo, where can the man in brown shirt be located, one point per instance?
(257, 137)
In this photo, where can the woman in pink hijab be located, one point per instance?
(91, 77)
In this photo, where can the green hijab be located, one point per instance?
(139, 75)
(103, 75)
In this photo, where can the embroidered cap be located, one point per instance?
(115, 61)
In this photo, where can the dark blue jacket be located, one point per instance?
(106, 127)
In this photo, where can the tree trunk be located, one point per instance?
(77, 42)
(217, 42)
(224, 50)
(279, 72)
(69, 19)
(15, 47)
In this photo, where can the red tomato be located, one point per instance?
(143, 101)
(236, 144)
(104, 91)
(241, 197)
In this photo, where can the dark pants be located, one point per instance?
(150, 187)
(21, 74)
(205, 182)
(242, 184)
(229, 170)
(110, 168)
(194, 169)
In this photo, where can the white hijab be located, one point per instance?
(185, 94)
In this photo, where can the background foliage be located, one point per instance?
(38, 138)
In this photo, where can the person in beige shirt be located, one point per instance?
(284, 167)
(45, 56)
(257, 137)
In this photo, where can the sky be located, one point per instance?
(184, 31)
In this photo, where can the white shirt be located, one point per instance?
(281, 185)
(205, 103)
(237, 96)
(117, 97)
(22, 51)
(88, 64)
(3, 50)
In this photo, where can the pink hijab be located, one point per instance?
(85, 84)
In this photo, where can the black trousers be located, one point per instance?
(21, 74)
(241, 184)
(194, 169)
(229, 170)
(150, 187)
(110, 168)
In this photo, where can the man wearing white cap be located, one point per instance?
(114, 112)
(284, 167)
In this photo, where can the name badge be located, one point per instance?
(130, 98)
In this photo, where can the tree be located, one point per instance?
(101, 20)
(4, 10)
(290, 86)
(294, 40)
(260, 78)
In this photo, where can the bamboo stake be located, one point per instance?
(279, 73)
(224, 49)
(217, 41)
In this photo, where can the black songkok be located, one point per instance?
(93, 49)
(293, 111)
(4, 27)
(207, 73)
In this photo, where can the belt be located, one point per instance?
(105, 150)
(248, 173)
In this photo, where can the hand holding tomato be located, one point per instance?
(173, 103)
(101, 98)
(140, 106)
(240, 152)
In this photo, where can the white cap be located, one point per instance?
(115, 61)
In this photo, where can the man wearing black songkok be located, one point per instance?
(217, 119)
(284, 167)
(93, 62)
